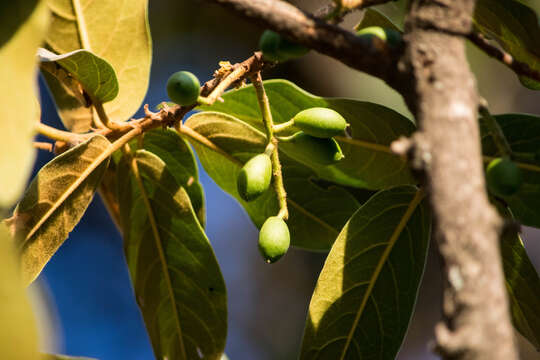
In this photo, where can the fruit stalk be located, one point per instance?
(268, 122)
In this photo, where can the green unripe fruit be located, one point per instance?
(320, 122)
(254, 177)
(274, 239)
(315, 150)
(277, 48)
(390, 36)
(503, 177)
(183, 88)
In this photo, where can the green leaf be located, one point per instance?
(55, 201)
(523, 134)
(515, 27)
(94, 74)
(367, 289)
(375, 18)
(316, 213)
(113, 30)
(18, 334)
(21, 33)
(177, 280)
(522, 283)
(368, 161)
(181, 163)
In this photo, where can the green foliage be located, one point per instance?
(95, 75)
(316, 213)
(18, 334)
(183, 88)
(274, 239)
(522, 283)
(503, 177)
(176, 277)
(366, 292)
(21, 32)
(390, 36)
(116, 33)
(320, 122)
(515, 27)
(55, 201)
(180, 161)
(522, 132)
(254, 177)
(373, 128)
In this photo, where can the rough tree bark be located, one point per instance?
(434, 78)
(444, 100)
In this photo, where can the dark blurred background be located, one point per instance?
(89, 309)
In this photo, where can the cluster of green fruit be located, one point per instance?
(318, 126)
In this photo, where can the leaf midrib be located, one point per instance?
(81, 25)
(391, 242)
(162, 258)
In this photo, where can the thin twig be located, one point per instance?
(264, 105)
(56, 134)
(518, 67)
(43, 146)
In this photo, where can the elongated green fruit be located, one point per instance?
(503, 177)
(254, 177)
(315, 150)
(391, 36)
(274, 239)
(183, 88)
(277, 48)
(320, 122)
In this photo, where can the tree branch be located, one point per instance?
(443, 97)
(372, 57)
(518, 67)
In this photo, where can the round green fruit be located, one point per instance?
(274, 239)
(254, 177)
(320, 122)
(183, 88)
(390, 36)
(503, 177)
(311, 149)
(277, 48)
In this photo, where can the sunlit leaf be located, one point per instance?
(181, 163)
(177, 281)
(316, 213)
(116, 31)
(523, 134)
(18, 334)
(55, 201)
(522, 283)
(366, 292)
(93, 73)
(368, 161)
(515, 27)
(23, 24)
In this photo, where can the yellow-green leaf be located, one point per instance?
(22, 25)
(116, 31)
(18, 334)
(96, 76)
(177, 281)
(55, 201)
(366, 292)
